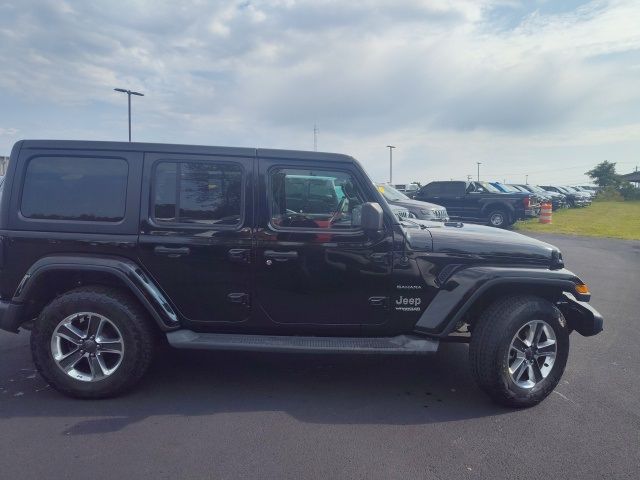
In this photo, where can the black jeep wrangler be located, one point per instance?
(108, 250)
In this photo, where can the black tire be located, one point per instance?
(137, 333)
(490, 347)
(498, 217)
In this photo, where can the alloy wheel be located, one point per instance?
(532, 354)
(87, 346)
(497, 219)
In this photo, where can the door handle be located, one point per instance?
(173, 252)
(280, 256)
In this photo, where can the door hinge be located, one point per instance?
(239, 298)
(239, 255)
(380, 257)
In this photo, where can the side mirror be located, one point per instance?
(372, 217)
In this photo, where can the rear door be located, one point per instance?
(195, 239)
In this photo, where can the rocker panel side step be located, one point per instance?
(401, 344)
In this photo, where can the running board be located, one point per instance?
(402, 344)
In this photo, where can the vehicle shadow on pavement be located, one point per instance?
(322, 389)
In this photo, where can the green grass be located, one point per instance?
(601, 219)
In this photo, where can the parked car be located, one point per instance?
(479, 202)
(112, 247)
(508, 188)
(558, 200)
(401, 212)
(587, 197)
(420, 210)
(409, 189)
(589, 192)
(574, 199)
(590, 188)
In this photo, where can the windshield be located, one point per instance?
(488, 187)
(391, 194)
(569, 189)
(537, 189)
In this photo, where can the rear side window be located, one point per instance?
(434, 188)
(75, 188)
(203, 193)
(453, 188)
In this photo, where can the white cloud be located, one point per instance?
(445, 81)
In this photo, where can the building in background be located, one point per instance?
(4, 163)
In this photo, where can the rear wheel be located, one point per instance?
(92, 342)
(499, 217)
(519, 349)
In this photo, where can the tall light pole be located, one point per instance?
(526, 179)
(315, 137)
(479, 163)
(391, 147)
(129, 93)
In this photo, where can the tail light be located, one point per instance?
(526, 201)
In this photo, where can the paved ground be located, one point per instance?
(203, 415)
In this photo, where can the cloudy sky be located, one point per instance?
(544, 88)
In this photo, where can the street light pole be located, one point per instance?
(129, 93)
(526, 179)
(391, 147)
(479, 163)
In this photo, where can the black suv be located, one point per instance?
(108, 250)
(480, 202)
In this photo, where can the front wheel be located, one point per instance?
(519, 349)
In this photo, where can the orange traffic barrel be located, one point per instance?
(545, 213)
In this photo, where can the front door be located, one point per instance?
(314, 265)
(195, 238)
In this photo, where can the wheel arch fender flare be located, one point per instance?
(124, 272)
(486, 210)
(474, 287)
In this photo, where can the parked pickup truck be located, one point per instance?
(479, 202)
(110, 251)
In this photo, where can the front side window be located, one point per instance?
(75, 188)
(202, 193)
(314, 199)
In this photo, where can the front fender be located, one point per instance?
(125, 270)
(463, 289)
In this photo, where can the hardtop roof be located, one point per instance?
(179, 148)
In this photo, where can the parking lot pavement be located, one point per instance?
(234, 415)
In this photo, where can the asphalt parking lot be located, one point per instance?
(223, 415)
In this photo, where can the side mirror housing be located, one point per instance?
(372, 218)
